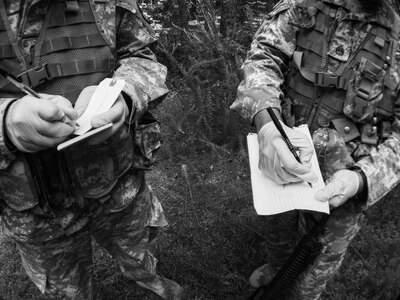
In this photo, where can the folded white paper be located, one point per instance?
(271, 198)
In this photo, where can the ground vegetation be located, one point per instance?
(215, 239)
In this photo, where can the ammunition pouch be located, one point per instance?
(365, 92)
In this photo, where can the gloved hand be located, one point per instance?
(343, 185)
(278, 162)
(34, 124)
(116, 115)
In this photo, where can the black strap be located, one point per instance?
(59, 19)
(76, 42)
(324, 79)
(36, 76)
(305, 252)
(7, 51)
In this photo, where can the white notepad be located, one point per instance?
(271, 198)
(101, 101)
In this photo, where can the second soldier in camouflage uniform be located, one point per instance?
(332, 64)
(53, 202)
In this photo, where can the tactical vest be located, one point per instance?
(71, 53)
(358, 100)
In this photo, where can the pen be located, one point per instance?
(27, 90)
(278, 126)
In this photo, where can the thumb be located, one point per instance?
(104, 118)
(327, 192)
(116, 114)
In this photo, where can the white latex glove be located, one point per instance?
(34, 124)
(278, 162)
(343, 185)
(116, 115)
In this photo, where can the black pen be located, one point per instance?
(278, 126)
(27, 90)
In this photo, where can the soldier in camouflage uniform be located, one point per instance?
(52, 203)
(333, 64)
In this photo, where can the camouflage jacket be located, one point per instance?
(129, 36)
(266, 68)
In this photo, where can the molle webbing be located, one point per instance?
(36, 76)
(6, 49)
(61, 18)
(63, 32)
(77, 42)
(318, 96)
(72, 45)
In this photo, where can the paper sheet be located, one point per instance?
(271, 198)
(101, 101)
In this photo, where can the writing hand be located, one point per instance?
(34, 124)
(277, 161)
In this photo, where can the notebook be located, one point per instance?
(270, 198)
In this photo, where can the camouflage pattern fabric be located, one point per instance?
(264, 78)
(108, 199)
(61, 267)
(264, 71)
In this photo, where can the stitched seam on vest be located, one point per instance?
(76, 42)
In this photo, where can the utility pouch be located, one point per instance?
(147, 139)
(364, 92)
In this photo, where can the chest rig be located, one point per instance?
(69, 53)
(357, 99)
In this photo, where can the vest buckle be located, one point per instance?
(326, 80)
(35, 76)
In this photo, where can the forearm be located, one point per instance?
(145, 78)
(262, 118)
(144, 84)
(266, 62)
(382, 169)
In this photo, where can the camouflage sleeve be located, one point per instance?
(144, 76)
(382, 166)
(263, 69)
(6, 156)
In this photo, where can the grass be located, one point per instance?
(215, 239)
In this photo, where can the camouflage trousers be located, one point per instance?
(285, 230)
(62, 268)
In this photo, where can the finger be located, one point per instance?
(283, 175)
(66, 107)
(303, 145)
(55, 129)
(327, 192)
(48, 111)
(115, 114)
(290, 163)
(38, 142)
(336, 201)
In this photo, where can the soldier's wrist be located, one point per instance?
(263, 117)
(362, 191)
